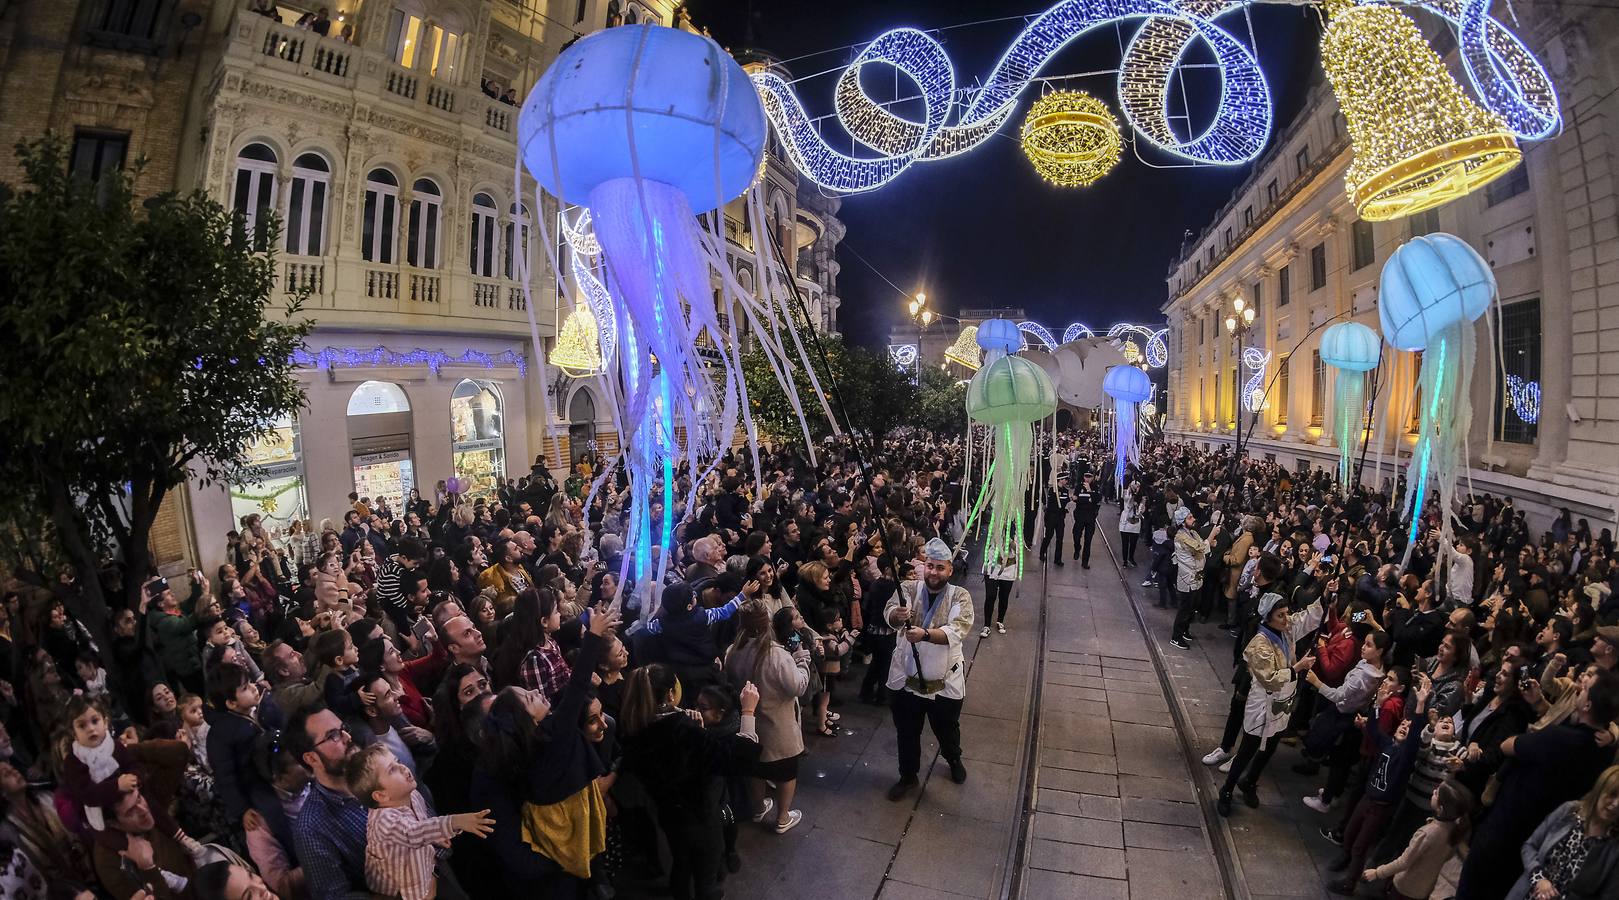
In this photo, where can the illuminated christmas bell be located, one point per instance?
(965, 350)
(577, 351)
(1418, 140)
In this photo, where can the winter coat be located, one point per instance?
(1599, 874)
(781, 678)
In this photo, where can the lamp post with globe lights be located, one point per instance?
(1238, 323)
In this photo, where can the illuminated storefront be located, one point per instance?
(272, 484)
(477, 436)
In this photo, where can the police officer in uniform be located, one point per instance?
(1087, 503)
(1056, 517)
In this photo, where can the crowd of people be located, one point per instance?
(460, 699)
(1454, 697)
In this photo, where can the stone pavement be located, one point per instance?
(947, 841)
(1115, 807)
(1276, 851)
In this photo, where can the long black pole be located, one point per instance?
(815, 338)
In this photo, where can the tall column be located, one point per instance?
(1556, 310)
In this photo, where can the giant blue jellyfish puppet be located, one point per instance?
(1128, 386)
(1352, 349)
(650, 128)
(1008, 394)
(1431, 292)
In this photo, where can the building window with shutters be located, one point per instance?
(253, 197)
(1284, 285)
(1365, 249)
(1517, 398)
(1318, 389)
(1318, 267)
(426, 207)
(1281, 392)
(483, 235)
(379, 223)
(1510, 185)
(97, 154)
(306, 205)
(1425, 222)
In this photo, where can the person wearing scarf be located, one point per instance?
(1276, 673)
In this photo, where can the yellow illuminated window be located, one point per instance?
(411, 36)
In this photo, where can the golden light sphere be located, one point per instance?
(1071, 138)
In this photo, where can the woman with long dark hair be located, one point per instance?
(781, 677)
(671, 753)
(537, 775)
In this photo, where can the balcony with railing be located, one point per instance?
(262, 45)
(343, 292)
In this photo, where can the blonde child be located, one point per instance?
(400, 837)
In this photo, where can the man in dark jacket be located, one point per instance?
(1056, 514)
(1087, 503)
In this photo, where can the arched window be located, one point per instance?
(380, 226)
(421, 248)
(517, 228)
(306, 205)
(379, 427)
(477, 431)
(254, 194)
(632, 16)
(483, 235)
(581, 423)
(272, 482)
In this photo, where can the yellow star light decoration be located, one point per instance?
(1418, 140)
(578, 351)
(1071, 138)
(965, 350)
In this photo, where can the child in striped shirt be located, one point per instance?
(401, 839)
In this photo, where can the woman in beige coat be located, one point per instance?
(782, 676)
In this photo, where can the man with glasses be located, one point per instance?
(329, 834)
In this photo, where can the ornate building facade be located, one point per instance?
(1546, 396)
(383, 139)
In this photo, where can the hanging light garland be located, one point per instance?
(1071, 138)
(1510, 83)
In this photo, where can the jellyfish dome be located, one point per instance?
(1430, 283)
(1127, 383)
(1000, 335)
(1010, 389)
(622, 102)
(1350, 346)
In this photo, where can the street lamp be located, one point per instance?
(1238, 322)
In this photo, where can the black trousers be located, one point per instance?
(695, 850)
(1186, 607)
(1052, 531)
(1240, 685)
(942, 715)
(882, 653)
(1251, 760)
(996, 591)
(1129, 539)
(1083, 532)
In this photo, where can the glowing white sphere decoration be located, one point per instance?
(999, 334)
(624, 101)
(1127, 383)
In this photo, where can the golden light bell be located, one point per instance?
(1418, 140)
(965, 350)
(577, 351)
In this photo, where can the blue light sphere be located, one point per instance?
(1128, 384)
(674, 98)
(1430, 283)
(1350, 346)
(1000, 334)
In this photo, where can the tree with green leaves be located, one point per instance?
(879, 397)
(140, 356)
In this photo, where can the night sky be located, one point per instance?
(982, 229)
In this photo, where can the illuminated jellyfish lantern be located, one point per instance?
(999, 336)
(1352, 349)
(649, 127)
(1432, 290)
(1128, 386)
(1009, 394)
